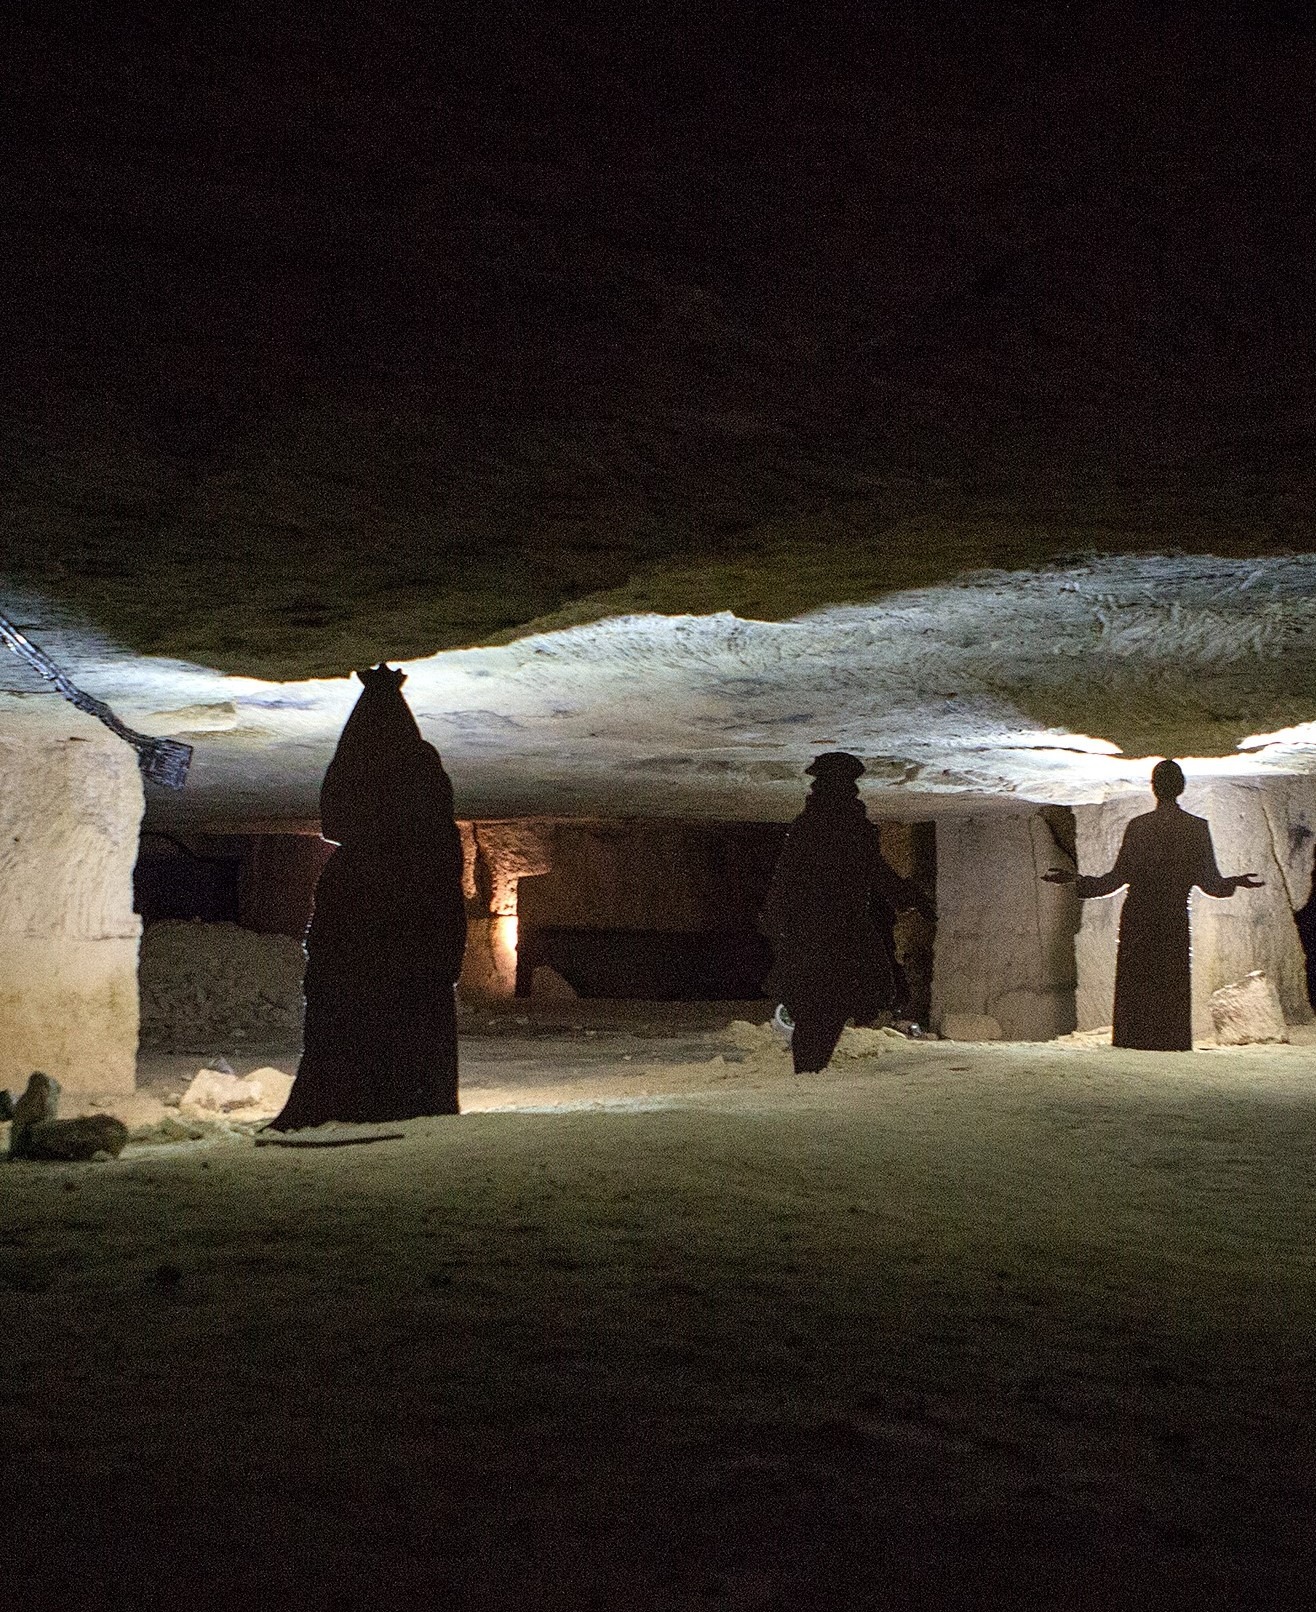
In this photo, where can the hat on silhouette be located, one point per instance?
(836, 766)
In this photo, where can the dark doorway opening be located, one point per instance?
(171, 880)
(716, 965)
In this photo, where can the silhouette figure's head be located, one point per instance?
(385, 678)
(836, 767)
(1167, 780)
(834, 777)
(381, 718)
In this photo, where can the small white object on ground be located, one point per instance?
(214, 1090)
(260, 1094)
(1248, 1011)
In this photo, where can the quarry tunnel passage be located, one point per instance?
(631, 910)
(660, 760)
(934, 383)
(665, 910)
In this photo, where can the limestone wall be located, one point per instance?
(489, 963)
(279, 875)
(1005, 940)
(70, 812)
(661, 875)
(506, 853)
(1267, 827)
(496, 856)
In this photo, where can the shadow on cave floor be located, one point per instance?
(957, 1325)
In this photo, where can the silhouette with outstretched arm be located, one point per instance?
(1164, 854)
(823, 913)
(385, 942)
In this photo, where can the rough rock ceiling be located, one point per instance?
(409, 333)
(1046, 685)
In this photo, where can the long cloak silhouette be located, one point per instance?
(386, 937)
(823, 912)
(1165, 853)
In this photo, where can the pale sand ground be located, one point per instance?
(956, 1325)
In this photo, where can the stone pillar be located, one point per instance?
(1005, 940)
(489, 965)
(1261, 826)
(70, 814)
(497, 857)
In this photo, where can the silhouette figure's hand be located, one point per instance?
(1058, 876)
(1247, 881)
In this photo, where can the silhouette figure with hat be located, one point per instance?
(1165, 853)
(385, 942)
(824, 914)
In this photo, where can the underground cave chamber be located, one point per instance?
(633, 909)
(664, 910)
(651, 908)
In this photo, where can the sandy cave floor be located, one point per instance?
(656, 1324)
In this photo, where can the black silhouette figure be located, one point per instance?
(827, 913)
(1164, 854)
(1305, 918)
(385, 942)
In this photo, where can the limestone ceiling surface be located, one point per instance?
(940, 384)
(1048, 685)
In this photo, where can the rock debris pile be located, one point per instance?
(1248, 1011)
(206, 984)
(36, 1131)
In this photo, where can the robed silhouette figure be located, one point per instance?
(827, 914)
(386, 937)
(1165, 853)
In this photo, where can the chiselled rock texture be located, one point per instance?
(657, 875)
(1004, 947)
(1264, 828)
(496, 856)
(414, 342)
(489, 961)
(969, 1027)
(506, 853)
(70, 810)
(207, 986)
(1248, 1012)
